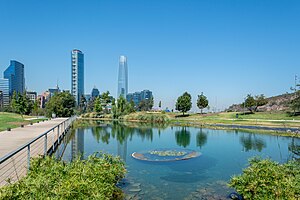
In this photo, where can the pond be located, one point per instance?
(222, 154)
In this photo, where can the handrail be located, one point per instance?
(12, 164)
(4, 158)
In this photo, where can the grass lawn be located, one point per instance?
(257, 119)
(12, 120)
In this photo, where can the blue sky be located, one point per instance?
(224, 48)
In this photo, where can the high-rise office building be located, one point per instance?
(16, 78)
(137, 97)
(77, 88)
(123, 77)
(95, 92)
(4, 92)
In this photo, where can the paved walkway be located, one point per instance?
(17, 137)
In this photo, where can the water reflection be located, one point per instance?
(201, 138)
(252, 142)
(294, 148)
(183, 137)
(101, 133)
(77, 144)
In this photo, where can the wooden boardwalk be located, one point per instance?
(16, 166)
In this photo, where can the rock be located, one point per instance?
(136, 185)
(135, 190)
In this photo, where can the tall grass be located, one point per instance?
(147, 117)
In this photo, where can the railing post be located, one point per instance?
(28, 157)
(58, 134)
(53, 141)
(45, 145)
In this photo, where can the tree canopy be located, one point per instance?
(184, 103)
(202, 102)
(21, 104)
(252, 103)
(61, 104)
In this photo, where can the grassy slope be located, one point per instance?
(259, 119)
(12, 120)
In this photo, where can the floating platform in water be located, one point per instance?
(166, 155)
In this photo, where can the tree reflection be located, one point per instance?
(251, 142)
(122, 132)
(294, 148)
(183, 137)
(101, 133)
(201, 138)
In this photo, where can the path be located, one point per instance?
(15, 151)
(17, 137)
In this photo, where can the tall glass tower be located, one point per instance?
(15, 75)
(123, 77)
(77, 88)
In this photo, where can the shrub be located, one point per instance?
(266, 179)
(94, 178)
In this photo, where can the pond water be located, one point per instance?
(223, 154)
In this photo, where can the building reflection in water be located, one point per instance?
(77, 144)
(122, 149)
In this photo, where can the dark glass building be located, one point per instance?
(16, 78)
(77, 84)
(137, 97)
(95, 92)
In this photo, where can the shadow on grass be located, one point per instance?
(183, 115)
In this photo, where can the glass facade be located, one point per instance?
(77, 79)
(95, 92)
(123, 77)
(4, 92)
(137, 97)
(15, 74)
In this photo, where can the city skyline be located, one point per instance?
(224, 49)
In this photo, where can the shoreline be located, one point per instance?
(272, 130)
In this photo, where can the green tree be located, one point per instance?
(105, 100)
(61, 104)
(146, 104)
(184, 103)
(202, 102)
(82, 104)
(13, 101)
(122, 107)
(97, 105)
(295, 103)
(252, 103)
(21, 104)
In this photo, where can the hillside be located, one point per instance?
(275, 103)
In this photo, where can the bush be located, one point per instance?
(147, 117)
(94, 178)
(266, 179)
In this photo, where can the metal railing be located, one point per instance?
(16, 164)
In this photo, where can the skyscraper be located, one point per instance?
(123, 77)
(4, 92)
(15, 75)
(77, 88)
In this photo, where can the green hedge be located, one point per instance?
(266, 179)
(94, 178)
